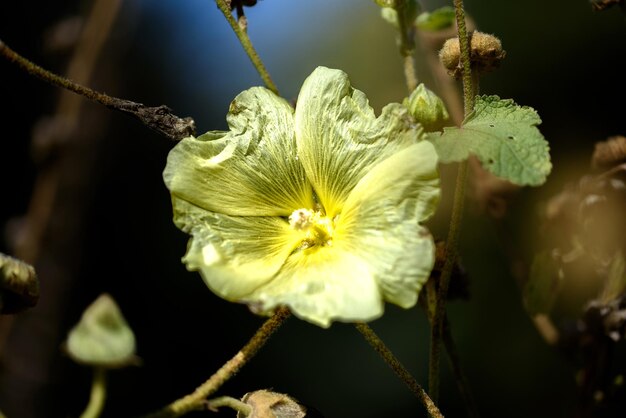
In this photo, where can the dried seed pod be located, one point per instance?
(486, 53)
(266, 404)
(609, 153)
(19, 286)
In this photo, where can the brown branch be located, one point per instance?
(399, 369)
(158, 118)
(197, 400)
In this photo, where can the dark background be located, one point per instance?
(110, 227)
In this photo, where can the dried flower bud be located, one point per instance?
(19, 287)
(266, 404)
(609, 153)
(486, 53)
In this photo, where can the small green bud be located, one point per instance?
(427, 108)
(19, 286)
(390, 16)
(392, 10)
(102, 338)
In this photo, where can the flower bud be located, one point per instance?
(266, 404)
(102, 338)
(486, 53)
(427, 108)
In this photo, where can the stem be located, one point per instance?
(224, 6)
(159, 118)
(407, 46)
(98, 394)
(232, 403)
(429, 305)
(459, 375)
(197, 400)
(391, 360)
(464, 44)
(409, 72)
(457, 215)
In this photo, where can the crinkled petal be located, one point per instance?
(380, 222)
(234, 254)
(339, 138)
(253, 170)
(320, 285)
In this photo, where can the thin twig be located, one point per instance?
(407, 46)
(158, 118)
(444, 281)
(224, 7)
(401, 371)
(429, 304)
(457, 371)
(229, 402)
(464, 44)
(197, 400)
(456, 218)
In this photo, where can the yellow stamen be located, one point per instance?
(319, 228)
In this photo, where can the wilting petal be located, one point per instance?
(321, 285)
(234, 254)
(339, 138)
(253, 170)
(380, 222)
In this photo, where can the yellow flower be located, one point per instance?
(318, 209)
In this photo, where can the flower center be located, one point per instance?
(317, 226)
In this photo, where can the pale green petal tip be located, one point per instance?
(102, 338)
(326, 285)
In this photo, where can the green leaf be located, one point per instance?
(543, 285)
(439, 19)
(505, 138)
(102, 338)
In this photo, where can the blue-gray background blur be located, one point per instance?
(563, 59)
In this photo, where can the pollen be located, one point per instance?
(318, 228)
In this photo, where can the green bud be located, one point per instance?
(392, 10)
(427, 108)
(390, 16)
(102, 338)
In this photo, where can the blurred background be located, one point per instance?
(85, 201)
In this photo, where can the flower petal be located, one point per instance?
(234, 254)
(320, 285)
(380, 222)
(339, 138)
(253, 170)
